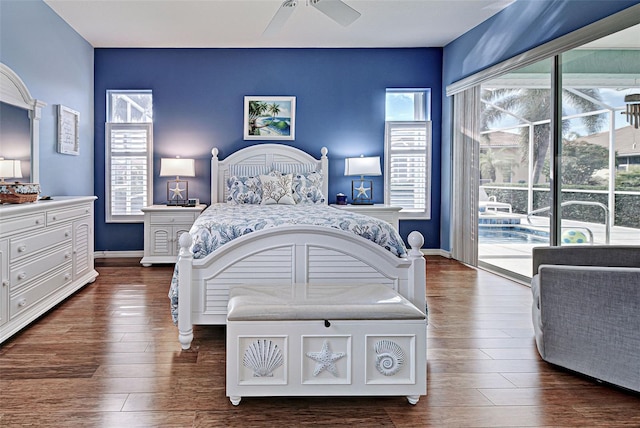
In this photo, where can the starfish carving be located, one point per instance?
(325, 359)
(362, 191)
(176, 192)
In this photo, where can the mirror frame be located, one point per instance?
(13, 91)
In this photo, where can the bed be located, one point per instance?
(287, 254)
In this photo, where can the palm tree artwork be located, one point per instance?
(533, 106)
(263, 117)
(256, 109)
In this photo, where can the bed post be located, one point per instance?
(214, 175)
(185, 328)
(324, 164)
(418, 272)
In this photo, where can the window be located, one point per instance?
(129, 149)
(407, 148)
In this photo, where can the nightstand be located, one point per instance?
(163, 225)
(387, 213)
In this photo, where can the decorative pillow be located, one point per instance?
(276, 189)
(307, 188)
(244, 190)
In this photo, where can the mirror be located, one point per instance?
(15, 140)
(14, 95)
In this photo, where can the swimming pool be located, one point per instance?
(511, 235)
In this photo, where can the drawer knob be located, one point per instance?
(67, 255)
(37, 221)
(86, 211)
(5, 283)
(22, 248)
(22, 302)
(22, 275)
(67, 276)
(54, 218)
(67, 234)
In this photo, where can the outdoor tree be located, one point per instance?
(533, 107)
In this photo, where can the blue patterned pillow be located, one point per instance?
(307, 188)
(244, 190)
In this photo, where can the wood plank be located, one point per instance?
(109, 356)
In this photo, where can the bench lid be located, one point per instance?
(318, 302)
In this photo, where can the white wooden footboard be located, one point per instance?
(292, 254)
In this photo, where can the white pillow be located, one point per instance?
(277, 189)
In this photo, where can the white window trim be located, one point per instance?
(128, 218)
(423, 215)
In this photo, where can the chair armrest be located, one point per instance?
(592, 255)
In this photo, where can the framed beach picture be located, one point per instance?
(269, 118)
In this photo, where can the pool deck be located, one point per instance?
(516, 257)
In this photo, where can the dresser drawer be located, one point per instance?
(23, 273)
(57, 216)
(171, 218)
(22, 224)
(22, 301)
(22, 246)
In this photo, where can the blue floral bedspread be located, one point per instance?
(221, 223)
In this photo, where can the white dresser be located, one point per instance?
(163, 226)
(46, 254)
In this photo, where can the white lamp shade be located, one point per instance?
(362, 166)
(177, 167)
(10, 168)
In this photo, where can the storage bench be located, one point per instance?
(324, 340)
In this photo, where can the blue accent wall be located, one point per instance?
(520, 27)
(56, 64)
(198, 97)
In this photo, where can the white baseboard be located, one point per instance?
(436, 252)
(117, 254)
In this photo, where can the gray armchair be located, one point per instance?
(586, 310)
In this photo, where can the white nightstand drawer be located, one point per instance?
(173, 218)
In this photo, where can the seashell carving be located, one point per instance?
(263, 357)
(390, 357)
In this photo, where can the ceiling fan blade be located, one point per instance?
(337, 10)
(281, 16)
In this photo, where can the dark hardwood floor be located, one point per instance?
(109, 357)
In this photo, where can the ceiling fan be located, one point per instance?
(337, 10)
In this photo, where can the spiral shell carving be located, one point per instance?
(263, 357)
(390, 357)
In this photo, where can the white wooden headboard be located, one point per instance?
(262, 155)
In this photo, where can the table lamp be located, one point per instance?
(360, 193)
(177, 190)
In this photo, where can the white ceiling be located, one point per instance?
(240, 23)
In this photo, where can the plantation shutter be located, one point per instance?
(128, 166)
(408, 167)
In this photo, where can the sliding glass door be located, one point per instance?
(592, 162)
(600, 147)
